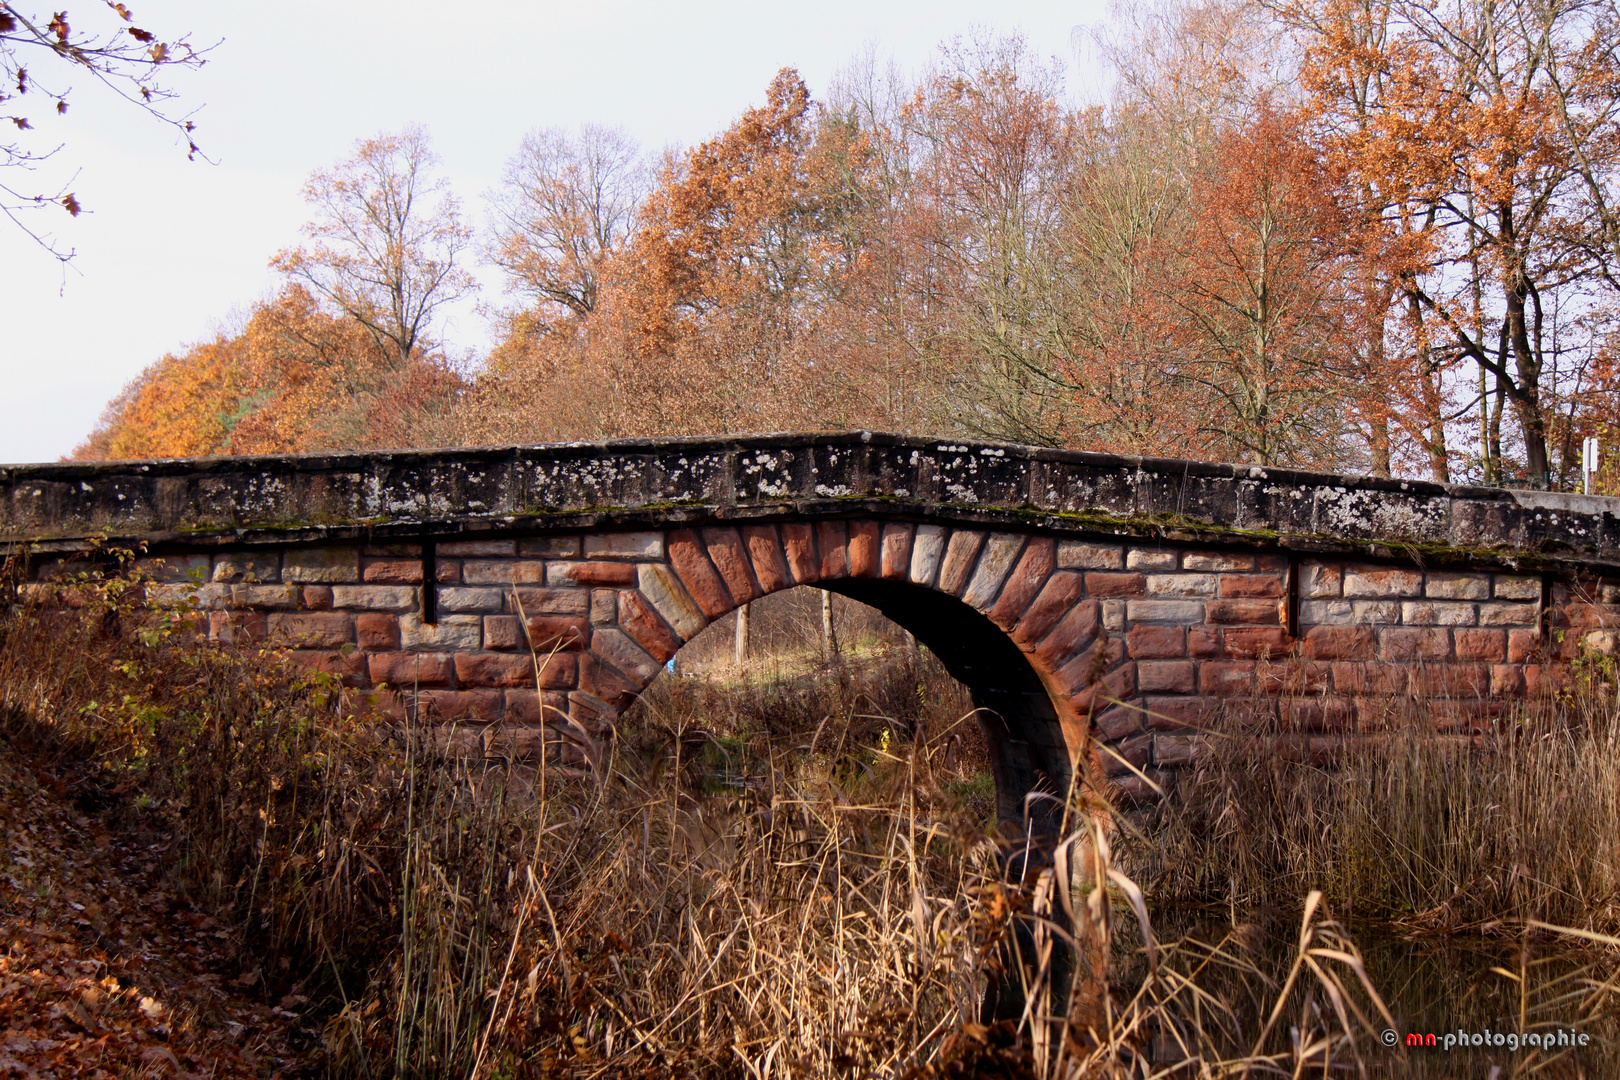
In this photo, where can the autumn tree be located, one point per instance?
(387, 243)
(39, 52)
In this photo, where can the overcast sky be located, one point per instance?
(172, 249)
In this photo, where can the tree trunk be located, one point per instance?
(740, 652)
(829, 639)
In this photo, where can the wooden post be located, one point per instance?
(829, 638)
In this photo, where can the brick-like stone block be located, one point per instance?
(374, 597)
(1522, 645)
(664, 591)
(503, 632)
(459, 632)
(558, 633)
(1166, 676)
(996, 560)
(1318, 714)
(311, 629)
(599, 573)
(690, 560)
(1319, 581)
(1451, 680)
(1150, 559)
(895, 551)
(1073, 633)
(536, 707)
(236, 627)
(1448, 586)
(173, 568)
(1113, 616)
(1079, 555)
(1227, 678)
(1256, 642)
(248, 567)
(1340, 643)
(1256, 612)
(927, 552)
(377, 632)
(1185, 612)
(638, 619)
(446, 705)
(392, 571)
(865, 558)
(832, 543)
(457, 549)
(1177, 713)
(313, 597)
(799, 549)
(624, 545)
(1060, 593)
(961, 552)
(1206, 642)
(550, 547)
(765, 551)
(1252, 586)
(551, 601)
(321, 565)
(1129, 756)
(460, 600)
(1024, 582)
(1507, 680)
(349, 667)
(1216, 561)
(604, 682)
(495, 669)
(1509, 587)
(1098, 584)
(1438, 613)
(1497, 613)
(408, 669)
(1181, 584)
(1356, 678)
(604, 607)
(730, 558)
(1156, 642)
(1405, 646)
(504, 571)
(620, 650)
(1117, 722)
(1381, 581)
(262, 597)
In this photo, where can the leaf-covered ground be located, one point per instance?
(106, 973)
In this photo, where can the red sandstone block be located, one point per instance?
(864, 556)
(458, 705)
(317, 597)
(1117, 685)
(1156, 642)
(1117, 722)
(539, 601)
(1259, 612)
(605, 682)
(351, 668)
(1244, 586)
(961, 552)
(1226, 678)
(896, 560)
(553, 672)
(1073, 633)
(1507, 680)
(1060, 593)
(486, 548)
(410, 669)
(1358, 678)
(561, 633)
(231, 627)
(691, 561)
(1326, 714)
(1376, 581)
(314, 630)
(407, 572)
(1176, 713)
(376, 632)
(1408, 645)
(591, 573)
(1116, 585)
(1481, 645)
(1178, 750)
(1166, 676)
(765, 552)
(504, 632)
(1586, 616)
(1024, 583)
(1217, 561)
(451, 738)
(1128, 756)
(1542, 680)
(1451, 680)
(832, 539)
(1204, 643)
(730, 557)
(1340, 643)
(530, 707)
(1522, 645)
(641, 622)
(1257, 642)
(799, 548)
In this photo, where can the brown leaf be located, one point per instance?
(142, 36)
(70, 202)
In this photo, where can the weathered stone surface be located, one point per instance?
(961, 552)
(1079, 555)
(690, 558)
(730, 558)
(590, 573)
(995, 562)
(247, 566)
(1148, 559)
(765, 551)
(927, 552)
(1382, 581)
(374, 597)
(458, 632)
(323, 565)
(504, 572)
(311, 629)
(458, 600)
(625, 545)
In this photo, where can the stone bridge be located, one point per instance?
(1093, 604)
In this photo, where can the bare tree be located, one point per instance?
(387, 237)
(565, 204)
